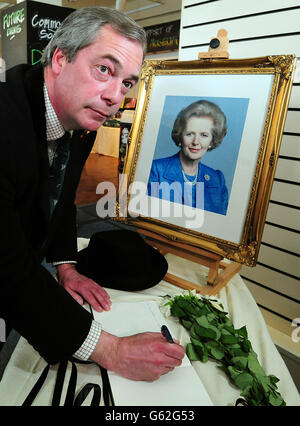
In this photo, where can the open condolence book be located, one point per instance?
(180, 387)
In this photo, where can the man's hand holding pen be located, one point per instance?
(166, 333)
(144, 356)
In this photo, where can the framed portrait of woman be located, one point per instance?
(203, 149)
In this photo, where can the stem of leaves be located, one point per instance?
(214, 336)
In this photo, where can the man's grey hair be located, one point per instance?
(82, 26)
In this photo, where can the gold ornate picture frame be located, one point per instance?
(253, 94)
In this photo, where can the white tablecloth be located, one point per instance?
(107, 141)
(26, 365)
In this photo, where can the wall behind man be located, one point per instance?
(169, 11)
(260, 28)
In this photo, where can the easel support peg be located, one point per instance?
(217, 47)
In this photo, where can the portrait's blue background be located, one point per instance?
(224, 157)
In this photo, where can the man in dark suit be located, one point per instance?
(89, 65)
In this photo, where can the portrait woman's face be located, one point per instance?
(196, 137)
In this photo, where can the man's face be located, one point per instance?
(87, 91)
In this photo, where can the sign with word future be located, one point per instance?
(26, 28)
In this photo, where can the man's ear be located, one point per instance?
(58, 60)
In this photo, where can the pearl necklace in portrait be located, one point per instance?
(193, 182)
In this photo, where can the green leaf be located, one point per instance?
(187, 324)
(193, 331)
(246, 345)
(217, 332)
(240, 362)
(254, 365)
(181, 301)
(202, 321)
(229, 327)
(242, 332)
(243, 380)
(246, 392)
(264, 383)
(177, 311)
(191, 353)
(205, 332)
(275, 399)
(199, 312)
(212, 317)
(200, 349)
(188, 307)
(234, 372)
(225, 332)
(273, 380)
(253, 402)
(215, 349)
(238, 351)
(256, 392)
(228, 339)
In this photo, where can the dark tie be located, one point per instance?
(58, 168)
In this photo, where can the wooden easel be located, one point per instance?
(216, 280)
(219, 272)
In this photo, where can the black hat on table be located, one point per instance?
(122, 260)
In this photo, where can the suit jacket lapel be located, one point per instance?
(34, 81)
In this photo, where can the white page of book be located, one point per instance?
(180, 387)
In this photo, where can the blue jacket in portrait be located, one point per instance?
(166, 174)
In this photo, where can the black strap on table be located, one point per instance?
(35, 390)
(71, 388)
(84, 393)
(107, 392)
(70, 400)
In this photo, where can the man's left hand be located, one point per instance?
(82, 288)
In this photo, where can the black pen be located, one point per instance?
(166, 333)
